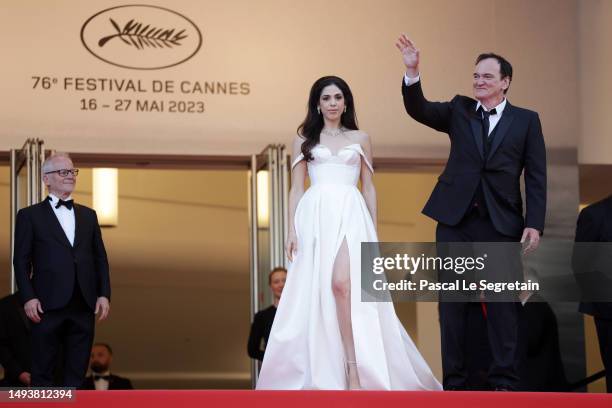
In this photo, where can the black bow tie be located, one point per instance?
(68, 204)
(101, 377)
(486, 114)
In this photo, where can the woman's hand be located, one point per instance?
(291, 245)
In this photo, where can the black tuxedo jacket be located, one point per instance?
(114, 383)
(518, 145)
(15, 353)
(595, 225)
(42, 248)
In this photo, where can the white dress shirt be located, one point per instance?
(101, 384)
(64, 216)
(493, 119)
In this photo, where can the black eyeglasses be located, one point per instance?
(65, 172)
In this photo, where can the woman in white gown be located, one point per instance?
(323, 336)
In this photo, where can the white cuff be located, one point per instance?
(411, 81)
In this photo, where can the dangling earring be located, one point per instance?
(319, 109)
(345, 109)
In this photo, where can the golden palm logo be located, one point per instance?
(140, 35)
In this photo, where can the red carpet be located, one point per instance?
(323, 399)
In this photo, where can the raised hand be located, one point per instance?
(410, 55)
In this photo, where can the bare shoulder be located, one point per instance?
(297, 146)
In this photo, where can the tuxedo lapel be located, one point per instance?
(476, 125)
(502, 128)
(54, 224)
(78, 225)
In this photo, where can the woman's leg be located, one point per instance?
(341, 285)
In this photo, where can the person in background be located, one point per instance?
(595, 225)
(63, 277)
(101, 378)
(15, 338)
(262, 323)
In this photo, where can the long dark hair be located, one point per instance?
(311, 127)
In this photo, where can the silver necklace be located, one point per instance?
(334, 132)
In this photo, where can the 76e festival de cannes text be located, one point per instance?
(128, 87)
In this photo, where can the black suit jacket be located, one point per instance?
(260, 329)
(41, 247)
(594, 225)
(518, 145)
(15, 354)
(114, 383)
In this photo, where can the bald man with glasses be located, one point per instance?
(62, 272)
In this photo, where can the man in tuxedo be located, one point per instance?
(595, 225)
(101, 378)
(15, 337)
(478, 196)
(62, 272)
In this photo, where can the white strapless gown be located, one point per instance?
(305, 349)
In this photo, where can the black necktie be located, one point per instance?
(101, 377)
(68, 204)
(484, 115)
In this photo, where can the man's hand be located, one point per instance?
(533, 236)
(410, 55)
(25, 378)
(102, 306)
(32, 309)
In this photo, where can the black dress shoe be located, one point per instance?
(455, 388)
